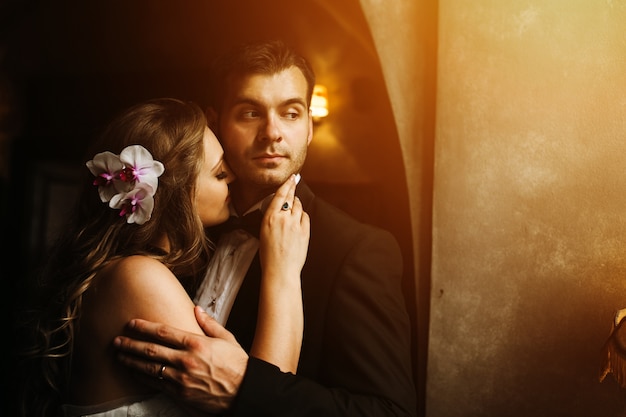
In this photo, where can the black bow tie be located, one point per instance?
(251, 223)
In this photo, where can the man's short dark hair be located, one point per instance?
(266, 57)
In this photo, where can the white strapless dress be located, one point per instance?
(153, 406)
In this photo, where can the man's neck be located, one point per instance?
(243, 198)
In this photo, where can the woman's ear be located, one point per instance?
(211, 117)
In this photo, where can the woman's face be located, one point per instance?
(212, 195)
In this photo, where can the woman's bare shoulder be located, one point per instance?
(133, 276)
(143, 287)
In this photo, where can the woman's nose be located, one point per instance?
(231, 175)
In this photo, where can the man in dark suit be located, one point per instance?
(355, 358)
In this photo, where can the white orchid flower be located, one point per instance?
(127, 181)
(140, 166)
(106, 166)
(136, 205)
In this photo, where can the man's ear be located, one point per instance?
(211, 117)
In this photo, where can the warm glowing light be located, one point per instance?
(319, 102)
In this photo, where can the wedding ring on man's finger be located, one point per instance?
(160, 373)
(285, 207)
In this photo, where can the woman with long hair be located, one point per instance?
(135, 247)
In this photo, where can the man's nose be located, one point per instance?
(271, 129)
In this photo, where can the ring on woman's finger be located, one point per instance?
(285, 207)
(160, 373)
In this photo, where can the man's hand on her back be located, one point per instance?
(204, 372)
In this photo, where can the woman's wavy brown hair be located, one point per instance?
(172, 130)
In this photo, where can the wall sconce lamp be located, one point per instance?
(319, 102)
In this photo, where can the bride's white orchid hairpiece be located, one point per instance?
(127, 181)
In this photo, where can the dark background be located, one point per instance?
(68, 66)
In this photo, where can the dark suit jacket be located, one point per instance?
(355, 358)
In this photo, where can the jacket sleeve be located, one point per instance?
(366, 361)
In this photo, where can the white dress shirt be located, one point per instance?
(227, 269)
(228, 266)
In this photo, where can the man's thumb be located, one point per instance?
(210, 326)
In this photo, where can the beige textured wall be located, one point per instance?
(529, 227)
(404, 33)
(529, 210)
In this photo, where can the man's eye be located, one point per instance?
(292, 114)
(222, 175)
(250, 114)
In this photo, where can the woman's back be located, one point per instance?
(127, 288)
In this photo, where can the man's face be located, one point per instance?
(265, 128)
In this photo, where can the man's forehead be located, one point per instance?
(290, 73)
(284, 85)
